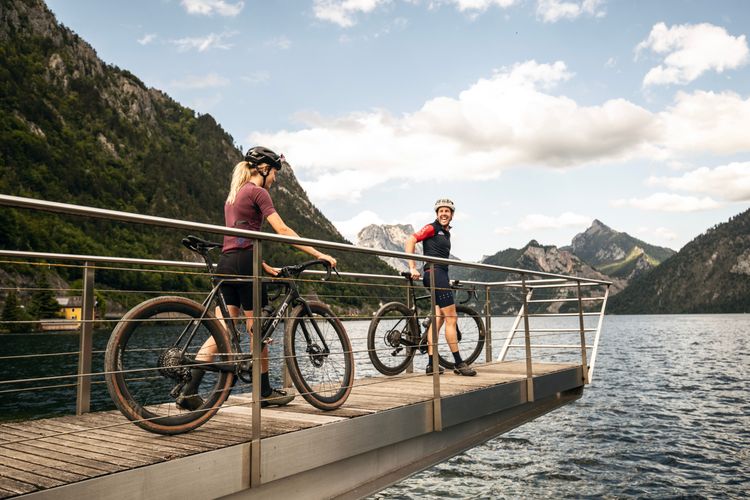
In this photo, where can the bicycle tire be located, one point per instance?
(391, 322)
(323, 379)
(138, 377)
(471, 332)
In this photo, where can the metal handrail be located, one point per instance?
(100, 213)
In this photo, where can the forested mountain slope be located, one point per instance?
(74, 129)
(711, 274)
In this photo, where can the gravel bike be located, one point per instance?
(395, 334)
(153, 348)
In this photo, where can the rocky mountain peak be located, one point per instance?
(388, 237)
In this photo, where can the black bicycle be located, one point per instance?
(153, 349)
(396, 335)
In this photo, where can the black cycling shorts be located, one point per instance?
(443, 292)
(239, 263)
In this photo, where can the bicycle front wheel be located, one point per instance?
(145, 365)
(470, 332)
(391, 338)
(319, 356)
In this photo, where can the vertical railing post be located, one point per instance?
(287, 378)
(255, 479)
(584, 364)
(487, 325)
(527, 335)
(409, 304)
(437, 414)
(83, 397)
(513, 330)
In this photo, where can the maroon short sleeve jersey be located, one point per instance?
(250, 208)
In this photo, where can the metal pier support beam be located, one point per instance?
(83, 396)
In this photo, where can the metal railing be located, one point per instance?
(543, 297)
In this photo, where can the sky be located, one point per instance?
(534, 116)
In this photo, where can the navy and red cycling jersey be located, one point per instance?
(436, 241)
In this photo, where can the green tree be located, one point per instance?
(43, 302)
(12, 314)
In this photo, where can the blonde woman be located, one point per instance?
(247, 206)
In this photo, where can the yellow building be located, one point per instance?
(71, 308)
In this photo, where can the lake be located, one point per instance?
(667, 415)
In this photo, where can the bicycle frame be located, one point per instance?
(414, 300)
(269, 324)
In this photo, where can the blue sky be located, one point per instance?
(534, 116)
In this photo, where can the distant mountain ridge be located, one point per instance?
(711, 274)
(615, 253)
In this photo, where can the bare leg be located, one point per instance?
(451, 334)
(210, 347)
(439, 319)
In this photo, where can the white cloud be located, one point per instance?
(280, 42)
(211, 7)
(668, 202)
(658, 233)
(534, 222)
(706, 121)
(343, 12)
(551, 11)
(210, 80)
(202, 44)
(257, 78)
(481, 5)
(730, 182)
(147, 38)
(500, 122)
(690, 51)
(350, 228)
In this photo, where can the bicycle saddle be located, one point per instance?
(199, 245)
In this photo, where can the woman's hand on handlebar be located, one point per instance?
(328, 259)
(273, 271)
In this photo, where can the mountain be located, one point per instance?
(74, 129)
(711, 274)
(616, 254)
(545, 258)
(388, 237)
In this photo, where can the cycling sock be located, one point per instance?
(457, 357)
(265, 385)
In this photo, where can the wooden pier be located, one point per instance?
(384, 433)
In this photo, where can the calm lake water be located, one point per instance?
(667, 415)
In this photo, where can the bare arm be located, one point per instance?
(411, 244)
(280, 227)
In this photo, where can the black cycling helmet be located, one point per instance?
(258, 155)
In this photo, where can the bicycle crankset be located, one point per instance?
(245, 369)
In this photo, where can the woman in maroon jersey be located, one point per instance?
(247, 206)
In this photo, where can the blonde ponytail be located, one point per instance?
(241, 175)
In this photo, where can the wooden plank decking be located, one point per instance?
(42, 455)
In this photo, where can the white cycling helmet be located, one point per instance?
(445, 202)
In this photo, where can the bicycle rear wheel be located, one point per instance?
(393, 324)
(470, 332)
(320, 360)
(145, 368)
